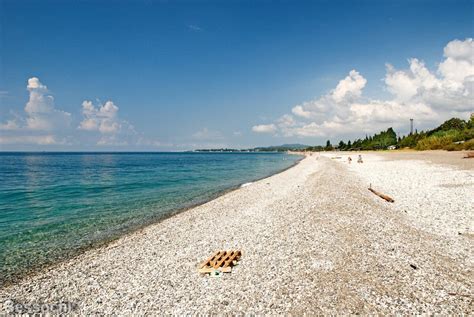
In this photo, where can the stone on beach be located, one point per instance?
(315, 241)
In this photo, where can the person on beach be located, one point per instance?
(349, 160)
(359, 160)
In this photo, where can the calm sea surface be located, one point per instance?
(54, 204)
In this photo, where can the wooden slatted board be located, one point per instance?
(220, 261)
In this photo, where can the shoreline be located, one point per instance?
(313, 239)
(443, 157)
(42, 268)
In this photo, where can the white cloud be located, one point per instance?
(459, 62)
(194, 27)
(29, 139)
(105, 120)
(404, 85)
(264, 128)
(286, 121)
(417, 93)
(41, 116)
(102, 118)
(10, 125)
(462, 50)
(42, 123)
(299, 111)
(111, 140)
(40, 109)
(350, 87)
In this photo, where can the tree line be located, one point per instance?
(453, 134)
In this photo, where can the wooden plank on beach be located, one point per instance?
(387, 198)
(213, 262)
(221, 261)
(209, 259)
(227, 259)
(207, 270)
(233, 257)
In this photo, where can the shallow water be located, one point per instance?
(54, 204)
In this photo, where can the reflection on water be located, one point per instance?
(51, 205)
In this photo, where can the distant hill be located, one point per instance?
(282, 148)
(295, 146)
(273, 148)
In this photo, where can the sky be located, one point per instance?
(180, 75)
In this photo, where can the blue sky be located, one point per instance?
(187, 74)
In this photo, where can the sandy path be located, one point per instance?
(314, 240)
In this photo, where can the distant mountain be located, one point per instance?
(283, 147)
(295, 146)
(273, 148)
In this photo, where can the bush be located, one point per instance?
(434, 143)
(454, 147)
(455, 135)
(468, 145)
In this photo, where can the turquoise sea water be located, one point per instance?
(54, 204)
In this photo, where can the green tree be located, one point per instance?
(470, 123)
(452, 124)
(342, 145)
(328, 146)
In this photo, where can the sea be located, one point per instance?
(55, 205)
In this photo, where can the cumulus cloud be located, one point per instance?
(451, 91)
(349, 88)
(102, 118)
(417, 92)
(264, 128)
(300, 111)
(40, 109)
(459, 62)
(41, 117)
(43, 124)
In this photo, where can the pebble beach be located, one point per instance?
(313, 238)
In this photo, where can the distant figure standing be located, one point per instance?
(349, 160)
(359, 160)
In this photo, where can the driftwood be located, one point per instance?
(457, 294)
(469, 155)
(387, 198)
